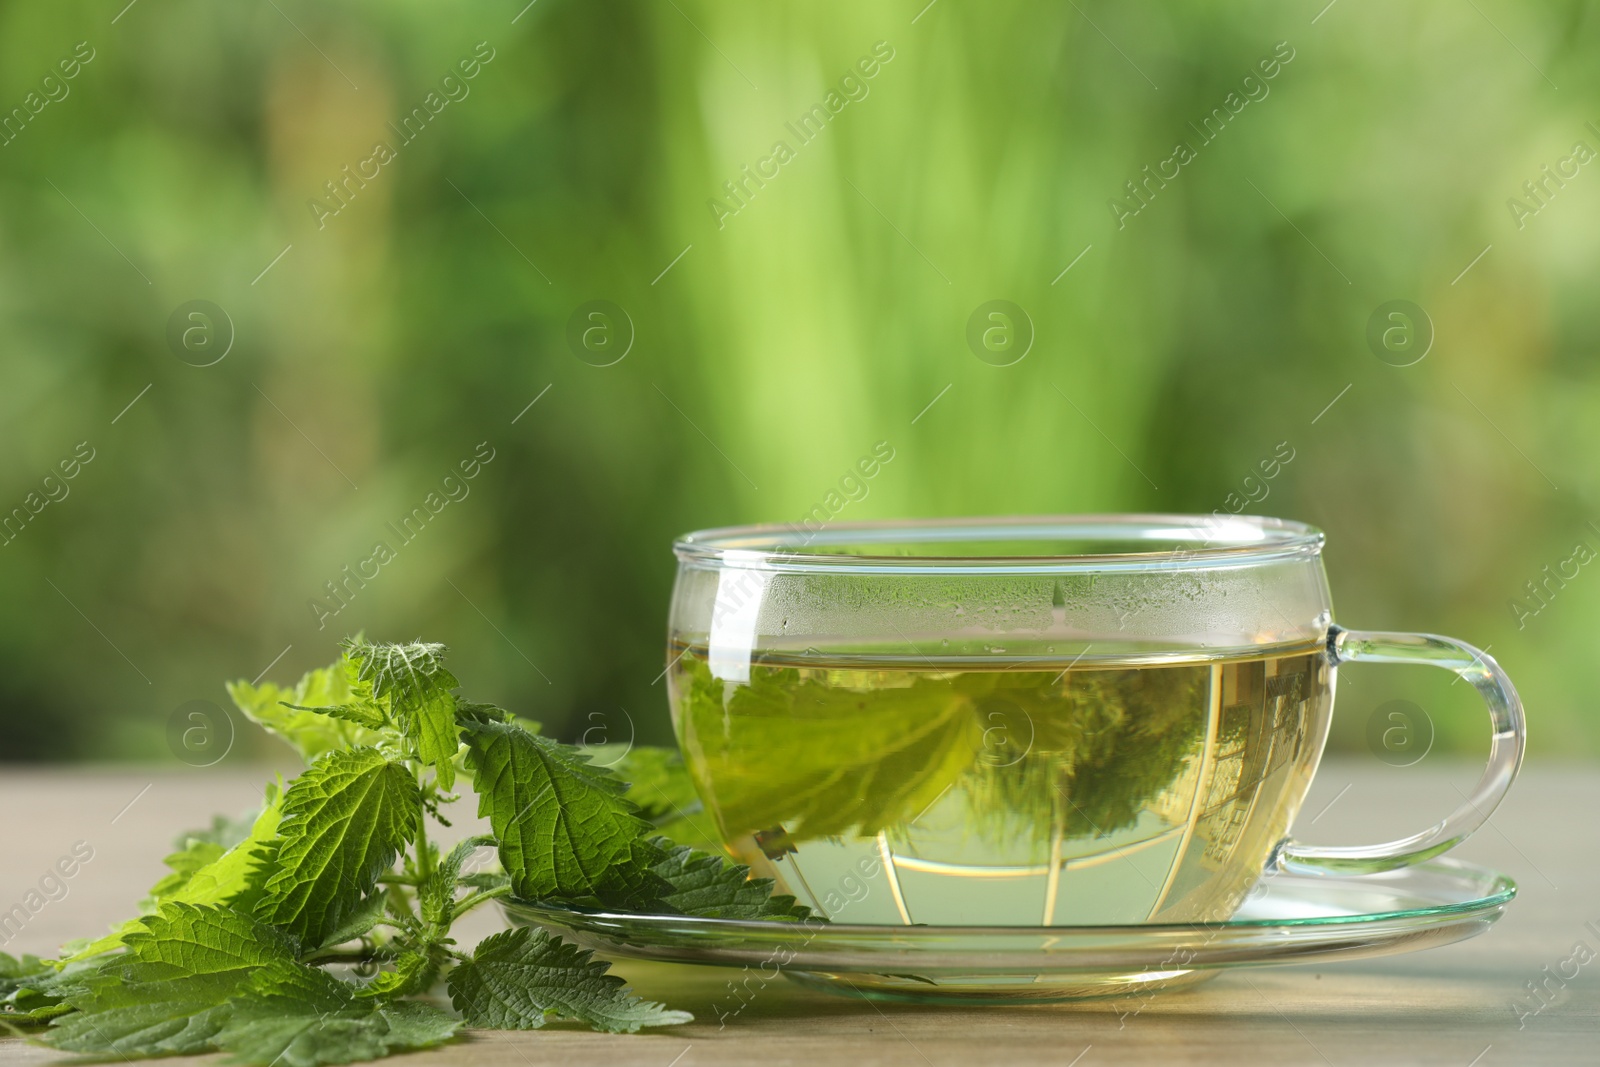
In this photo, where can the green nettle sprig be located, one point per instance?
(306, 934)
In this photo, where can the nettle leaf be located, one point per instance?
(177, 1016)
(32, 1008)
(632, 885)
(657, 780)
(360, 921)
(14, 970)
(698, 831)
(438, 896)
(188, 861)
(197, 849)
(225, 830)
(660, 784)
(520, 979)
(168, 993)
(875, 771)
(469, 711)
(283, 711)
(297, 1016)
(709, 887)
(368, 715)
(564, 827)
(344, 821)
(27, 990)
(413, 972)
(236, 875)
(182, 940)
(413, 680)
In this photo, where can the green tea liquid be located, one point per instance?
(897, 790)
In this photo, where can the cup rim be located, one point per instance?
(1219, 541)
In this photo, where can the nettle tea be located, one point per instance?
(1029, 723)
(994, 791)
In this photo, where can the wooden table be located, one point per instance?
(1452, 1006)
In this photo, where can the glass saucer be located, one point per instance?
(1287, 919)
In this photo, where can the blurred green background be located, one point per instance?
(374, 348)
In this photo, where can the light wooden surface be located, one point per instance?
(1451, 1006)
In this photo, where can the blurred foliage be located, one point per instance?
(778, 347)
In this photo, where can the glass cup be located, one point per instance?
(1030, 721)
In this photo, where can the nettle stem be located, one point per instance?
(354, 957)
(472, 900)
(424, 868)
(427, 865)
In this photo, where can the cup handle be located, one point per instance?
(1505, 753)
